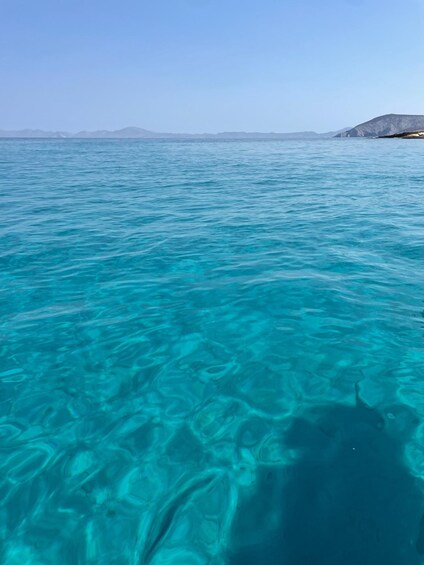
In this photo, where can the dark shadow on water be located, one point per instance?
(349, 499)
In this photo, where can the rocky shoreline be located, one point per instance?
(406, 135)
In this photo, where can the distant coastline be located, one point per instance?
(406, 126)
(140, 133)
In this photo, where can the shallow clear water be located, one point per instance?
(181, 329)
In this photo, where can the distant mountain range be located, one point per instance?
(139, 133)
(389, 124)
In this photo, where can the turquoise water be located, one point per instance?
(182, 328)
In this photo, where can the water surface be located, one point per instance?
(182, 326)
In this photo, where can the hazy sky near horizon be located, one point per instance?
(208, 65)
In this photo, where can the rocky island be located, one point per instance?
(387, 126)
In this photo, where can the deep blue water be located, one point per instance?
(183, 326)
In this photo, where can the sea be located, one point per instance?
(211, 352)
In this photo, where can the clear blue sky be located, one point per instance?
(209, 65)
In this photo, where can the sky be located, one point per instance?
(209, 65)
